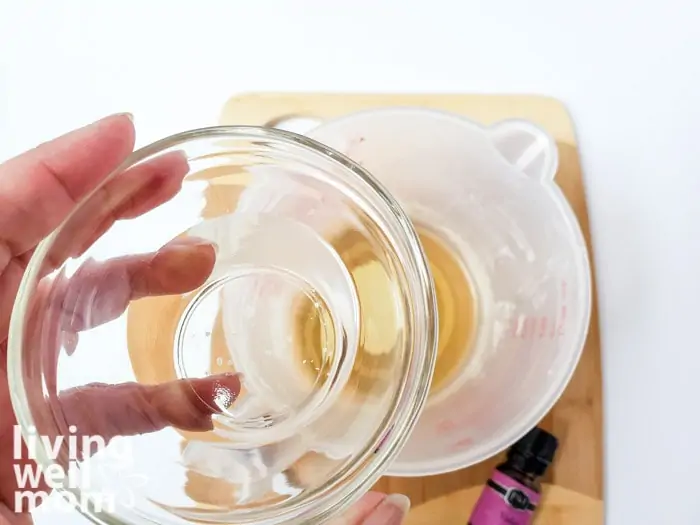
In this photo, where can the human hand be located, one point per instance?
(38, 191)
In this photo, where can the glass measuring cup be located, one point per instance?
(510, 266)
(188, 265)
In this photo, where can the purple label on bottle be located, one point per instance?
(504, 501)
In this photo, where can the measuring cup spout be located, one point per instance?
(526, 147)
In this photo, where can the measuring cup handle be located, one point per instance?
(527, 147)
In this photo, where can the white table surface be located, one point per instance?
(628, 71)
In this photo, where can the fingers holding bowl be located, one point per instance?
(130, 409)
(127, 195)
(100, 292)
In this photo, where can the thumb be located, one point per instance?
(391, 511)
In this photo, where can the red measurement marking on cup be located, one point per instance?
(562, 313)
(446, 426)
(534, 327)
(539, 327)
(462, 443)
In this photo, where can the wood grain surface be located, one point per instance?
(574, 485)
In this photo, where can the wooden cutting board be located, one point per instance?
(574, 485)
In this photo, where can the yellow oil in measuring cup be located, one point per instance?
(457, 311)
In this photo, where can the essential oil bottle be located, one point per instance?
(511, 495)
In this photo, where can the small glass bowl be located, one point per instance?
(183, 346)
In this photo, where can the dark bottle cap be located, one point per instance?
(534, 452)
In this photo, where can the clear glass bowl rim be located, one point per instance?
(412, 396)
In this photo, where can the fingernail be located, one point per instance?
(217, 392)
(391, 511)
(130, 116)
(185, 247)
(70, 342)
(191, 242)
(110, 118)
(399, 501)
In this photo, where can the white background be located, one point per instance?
(629, 72)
